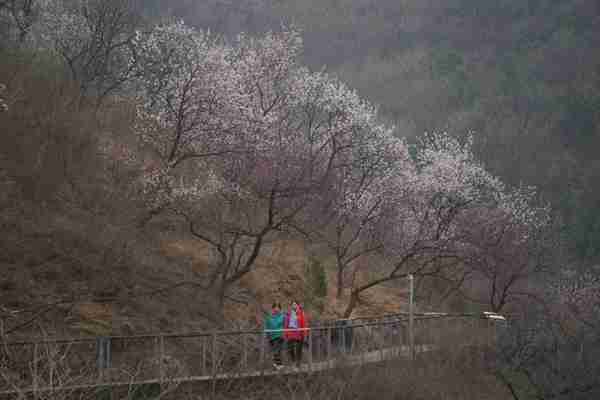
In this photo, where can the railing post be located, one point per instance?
(161, 353)
(425, 334)
(108, 369)
(328, 345)
(204, 344)
(214, 355)
(35, 370)
(244, 352)
(382, 327)
(51, 368)
(215, 352)
(157, 355)
(316, 344)
(411, 318)
(475, 325)
(365, 349)
(310, 349)
(350, 337)
(262, 350)
(342, 332)
(440, 331)
(394, 334)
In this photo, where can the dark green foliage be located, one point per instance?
(580, 120)
(318, 277)
(146, 392)
(103, 393)
(450, 67)
(585, 233)
(447, 62)
(316, 282)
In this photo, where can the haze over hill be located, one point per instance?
(522, 75)
(159, 174)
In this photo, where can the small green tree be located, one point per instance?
(316, 284)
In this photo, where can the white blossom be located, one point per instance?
(3, 104)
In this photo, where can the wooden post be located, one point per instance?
(411, 317)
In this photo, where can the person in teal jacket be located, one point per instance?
(274, 329)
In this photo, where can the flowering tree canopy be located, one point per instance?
(244, 143)
(430, 211)
(3, 105)
(268, 133)
(91, 37)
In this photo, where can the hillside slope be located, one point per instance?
(73, 283)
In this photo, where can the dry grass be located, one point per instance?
(72, 257)
(68, 232)
(445, 376)
(279, 275)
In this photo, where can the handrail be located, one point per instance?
(376, 321)
(231, 354)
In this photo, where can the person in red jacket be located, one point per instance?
(295, 324)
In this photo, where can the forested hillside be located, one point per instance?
(523, 75)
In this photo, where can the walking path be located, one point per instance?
(306, 368)
(164, 359)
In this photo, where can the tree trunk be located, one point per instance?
(340, 281)
(220, 295)
(351, 304)
(216, 302)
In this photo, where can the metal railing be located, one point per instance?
(53, 364)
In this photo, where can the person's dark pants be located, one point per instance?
(276, 346)
(295, 350)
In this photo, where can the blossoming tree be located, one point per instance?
(246, 144)
(426, 210)
(270, 134)
(508, 243)
(92, 37)
(348, 218)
